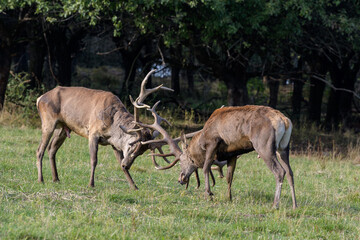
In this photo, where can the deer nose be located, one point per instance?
(124, 166)
(182, 179)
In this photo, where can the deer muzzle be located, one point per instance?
(126, 163)
(183, 179)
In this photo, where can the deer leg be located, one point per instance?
(231, 164)
(93, 147)
(45, 138)
(197, 180)
(219, 167)
(283, 157)
(212, 178)
(279, 173)
(55, 143)
(129, 179)
(209, 159)
(119, 156)
(207, 168)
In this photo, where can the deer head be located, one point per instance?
(137, 147)
(182, 154)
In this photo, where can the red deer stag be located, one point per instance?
(97, 115)
(228, 133)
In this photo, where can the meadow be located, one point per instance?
(328, 194)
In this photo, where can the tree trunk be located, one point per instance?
(36, 55)
(274, 90)
(64, 67)
(175, 79)
(5, 57)
(190, 80)
(340, 101)
(346, 98)
(62, 56)
(5, 63)
(20, 59)
(36, 63)
(333, 108)
(332, 112)
(233, 75)
(297, 98)
(129, 65)
(237, 90)
(318, 67)
(317, 88)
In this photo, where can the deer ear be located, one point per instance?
(183, 140)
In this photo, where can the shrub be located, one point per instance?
(20, 105)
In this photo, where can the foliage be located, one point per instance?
(219, 36)
(21, 99)
(105, 78)
(328, 198)
(256, 89)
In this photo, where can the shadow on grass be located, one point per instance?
(121, 199)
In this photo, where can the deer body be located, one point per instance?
(94, 114)
(232, 131)
(237, 129)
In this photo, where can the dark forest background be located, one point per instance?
(302, 57)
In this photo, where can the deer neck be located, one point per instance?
(196, 153)
(118, 138)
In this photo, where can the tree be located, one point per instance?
(331, 36)
(11, 30)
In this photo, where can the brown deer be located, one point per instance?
(97, 115)
(228, 133)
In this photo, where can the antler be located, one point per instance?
(174, 148)
(139, 102)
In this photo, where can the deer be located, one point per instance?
(228, 133)
(97, 115)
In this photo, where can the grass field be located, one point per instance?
(328, 194)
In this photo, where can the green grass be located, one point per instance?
(328, 196)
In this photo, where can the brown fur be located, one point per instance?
(94, 114)
(232, 131)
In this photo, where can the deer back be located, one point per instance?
(81, 109)
(237, 129)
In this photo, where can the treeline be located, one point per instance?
(297, 42)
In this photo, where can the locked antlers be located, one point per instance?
(174, 148)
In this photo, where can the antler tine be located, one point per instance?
(131, 131)
(188, 135)
(138, 103)
(146, 92)
(158, 118)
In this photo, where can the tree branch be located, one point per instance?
(335, 88)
